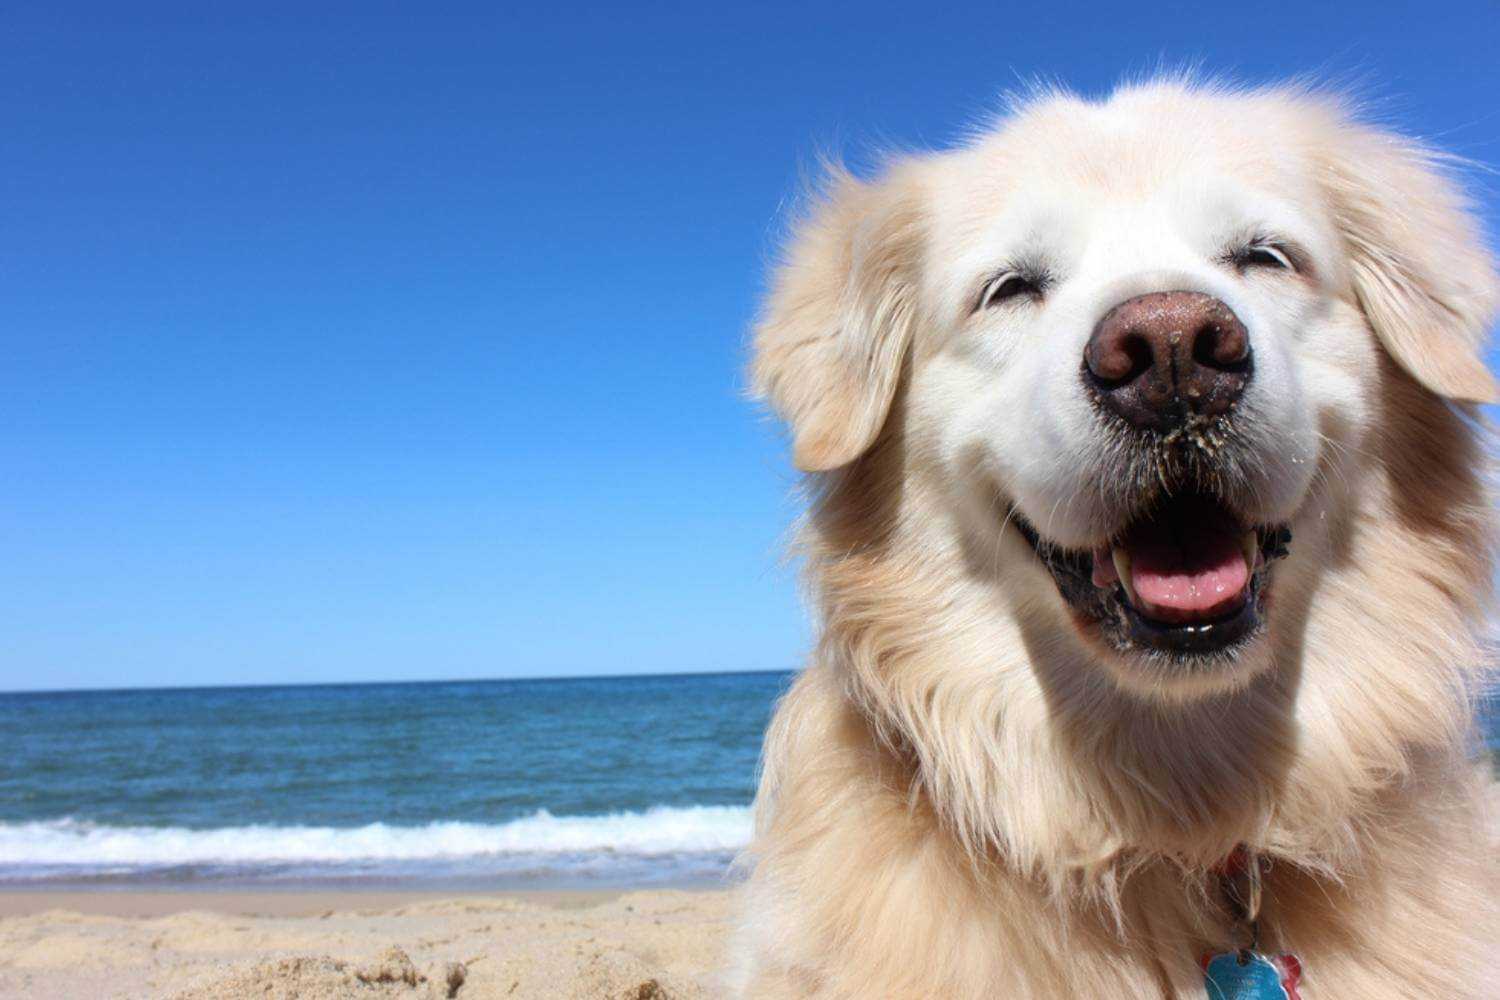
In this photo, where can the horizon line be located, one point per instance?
(269, 685)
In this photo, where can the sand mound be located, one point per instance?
(616, 975)
(391, 975)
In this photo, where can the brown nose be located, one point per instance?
(1156, 358)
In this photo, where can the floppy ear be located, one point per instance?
(831, 342)
(1422, 275)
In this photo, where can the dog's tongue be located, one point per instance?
(1187, 563)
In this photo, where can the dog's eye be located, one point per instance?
(1004, 287)
(1271, 255)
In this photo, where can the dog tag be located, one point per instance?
(1249, 975)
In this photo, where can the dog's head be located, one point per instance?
(1122, 344)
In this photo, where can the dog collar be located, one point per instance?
(1243, 972)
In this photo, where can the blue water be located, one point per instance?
(618, 780)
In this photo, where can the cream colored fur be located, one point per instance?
(967, 795)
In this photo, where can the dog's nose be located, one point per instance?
(1156, 358)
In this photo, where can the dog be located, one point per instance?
(1150, 538)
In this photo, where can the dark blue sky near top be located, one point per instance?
(369, 341)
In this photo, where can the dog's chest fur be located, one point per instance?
(859, 892)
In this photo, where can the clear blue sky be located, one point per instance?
(357, 342)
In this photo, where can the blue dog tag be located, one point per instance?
(1251, 976)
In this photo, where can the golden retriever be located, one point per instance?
(1150, 539)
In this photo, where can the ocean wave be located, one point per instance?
(661, 831)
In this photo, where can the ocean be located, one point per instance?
(573, 783)
(495, 784)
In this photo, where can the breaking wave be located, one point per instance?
(656, 832)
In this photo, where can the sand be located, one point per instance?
(655, 945)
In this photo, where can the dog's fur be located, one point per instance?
(966, 793)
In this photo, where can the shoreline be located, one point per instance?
(291, 901)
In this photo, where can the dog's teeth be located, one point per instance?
(1250, 546)
(1122, 569)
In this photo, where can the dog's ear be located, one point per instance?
(1421, 273)
(833, 338)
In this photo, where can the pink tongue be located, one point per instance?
(1187, 566)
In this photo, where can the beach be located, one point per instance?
(224, 945)
(564, 838)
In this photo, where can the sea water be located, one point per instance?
(638, 780)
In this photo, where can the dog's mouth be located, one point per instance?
(1188, 577)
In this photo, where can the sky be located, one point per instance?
(399, 342)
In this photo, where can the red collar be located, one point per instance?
(1235, 864)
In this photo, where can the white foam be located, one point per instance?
(656, 832)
